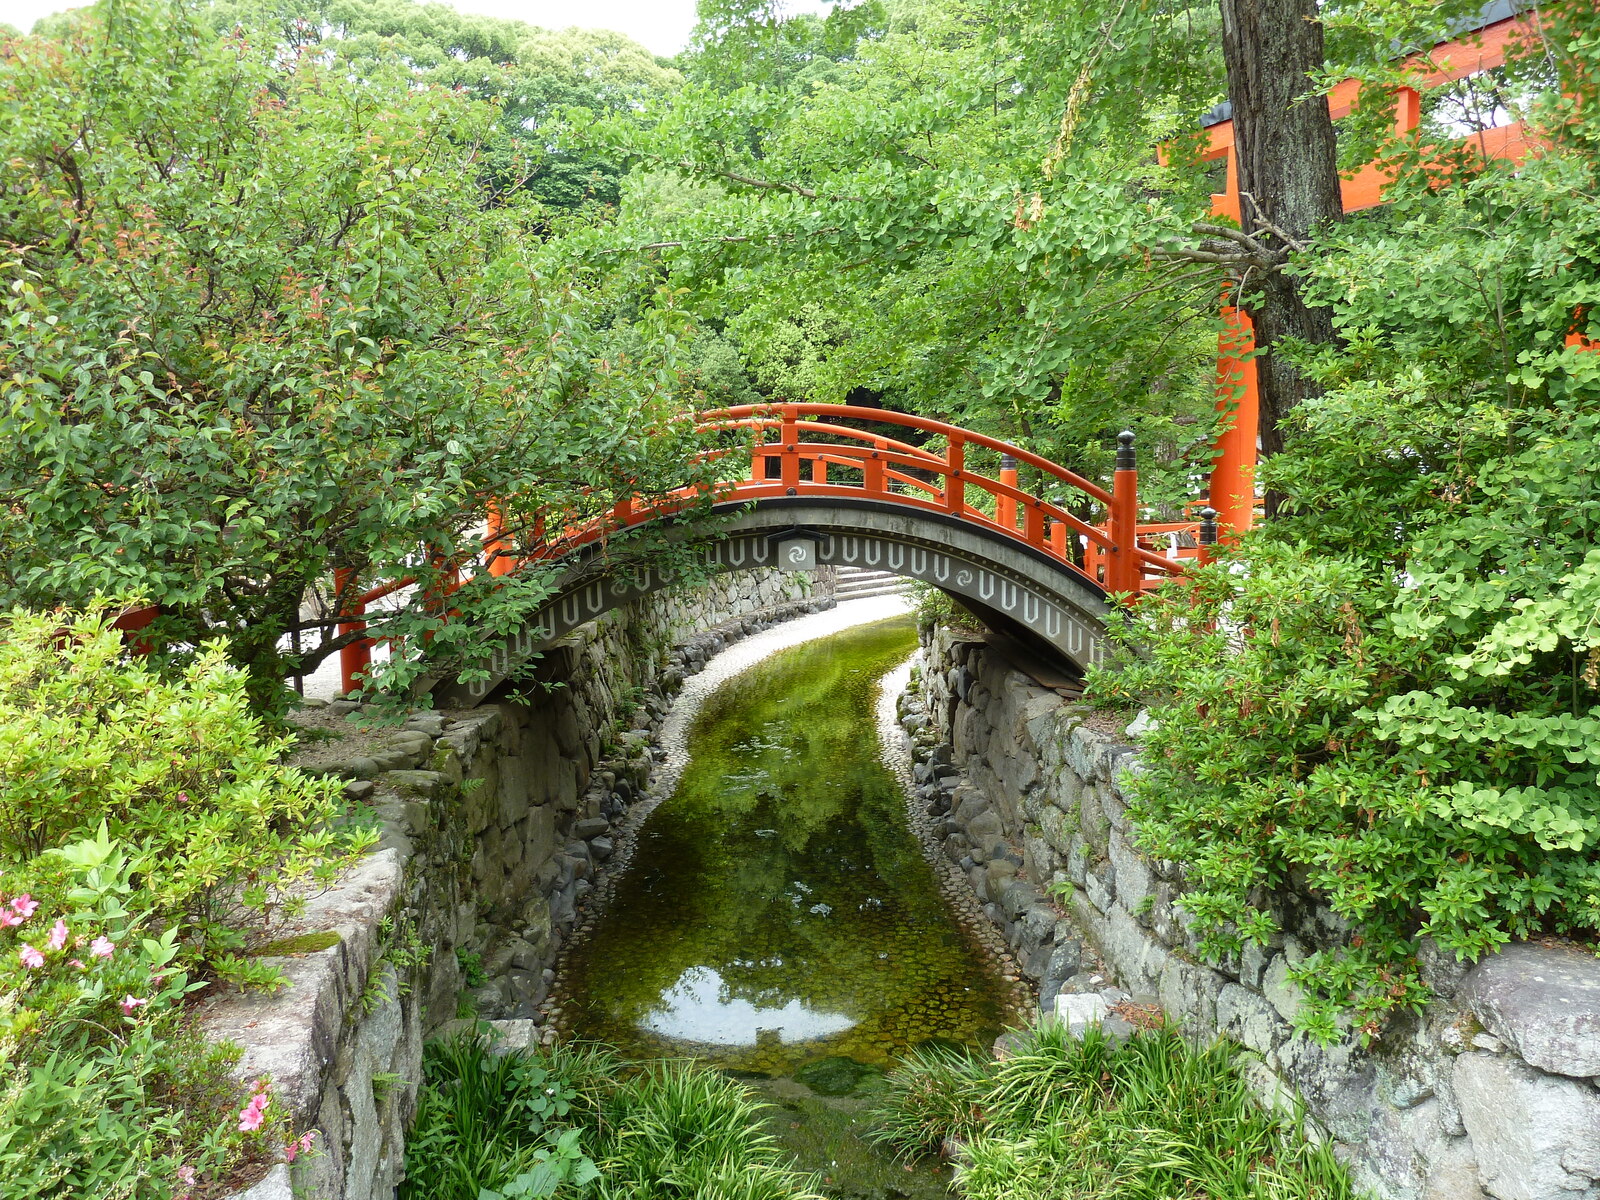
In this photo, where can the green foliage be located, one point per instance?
(318, 344)
(578, 1122)
(680, 1130)
(935, 606)
(148, 835)
(482, 1117)
(471, 963)
(189, 796)
(528, 74)
(907, 204)
(107, 1088)
(401, 952)
(1147, 1119)
(1390, 696)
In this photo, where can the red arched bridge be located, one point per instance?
(822, 490)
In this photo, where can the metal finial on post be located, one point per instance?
(1126, 460)
(1008, 462)
(1208, 534)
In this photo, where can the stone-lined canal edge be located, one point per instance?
(491, 820)
(1489, 1093)
(672, 756)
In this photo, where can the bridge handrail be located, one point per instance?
(997, 487)
(778, 413)
(877, 439)
(1112, 555)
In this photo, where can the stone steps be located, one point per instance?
(858, 583)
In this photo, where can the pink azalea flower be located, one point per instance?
(251, 1116)
(24, 905)
(129, 1003)
(8, 918)
(77, 962)
(30, 957)
(101, 947)
(58, 935)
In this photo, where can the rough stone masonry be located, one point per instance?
(493, 819)
(1490, 1092)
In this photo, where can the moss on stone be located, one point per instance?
(305, 943)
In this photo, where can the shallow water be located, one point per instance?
(779, 910)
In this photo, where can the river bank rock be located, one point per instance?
(491, 819)
(1488, 1094)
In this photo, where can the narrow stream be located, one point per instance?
(779, 918)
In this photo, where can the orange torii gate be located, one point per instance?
(866, 486)
(1469, 52)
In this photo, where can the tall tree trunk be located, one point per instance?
(1288, 164)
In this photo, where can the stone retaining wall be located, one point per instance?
(1491, 1092)
(493, 819)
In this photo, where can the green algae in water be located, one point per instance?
(779, 909)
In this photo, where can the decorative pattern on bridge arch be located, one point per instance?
(1060, 608)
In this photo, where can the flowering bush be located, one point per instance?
(106, 1088)
(149, 833)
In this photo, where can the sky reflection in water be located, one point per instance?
(698, 1008)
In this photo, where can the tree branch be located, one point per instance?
(1263, 223)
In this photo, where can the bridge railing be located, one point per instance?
(1117, 553)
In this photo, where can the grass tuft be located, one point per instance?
(670, 1130)
(1152, 1118)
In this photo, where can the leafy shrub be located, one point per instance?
(106, 1087)
(220, 836)
(1403, 721)
(147, 829)
(934, 1101)
(675, 1129)
(577, 1121)
(1147, 1119)
(483, 1120)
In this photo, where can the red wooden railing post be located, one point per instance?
(1058, 539)
(1005, 508)
(872, 474)
(1033, 523)
(355, 658)
(496, 549)
(1122, 569)
(955, 479)
(789, 435)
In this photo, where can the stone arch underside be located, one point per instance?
(1002, 580)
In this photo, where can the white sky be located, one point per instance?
(662, 25)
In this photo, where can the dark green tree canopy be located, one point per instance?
(260, 324)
